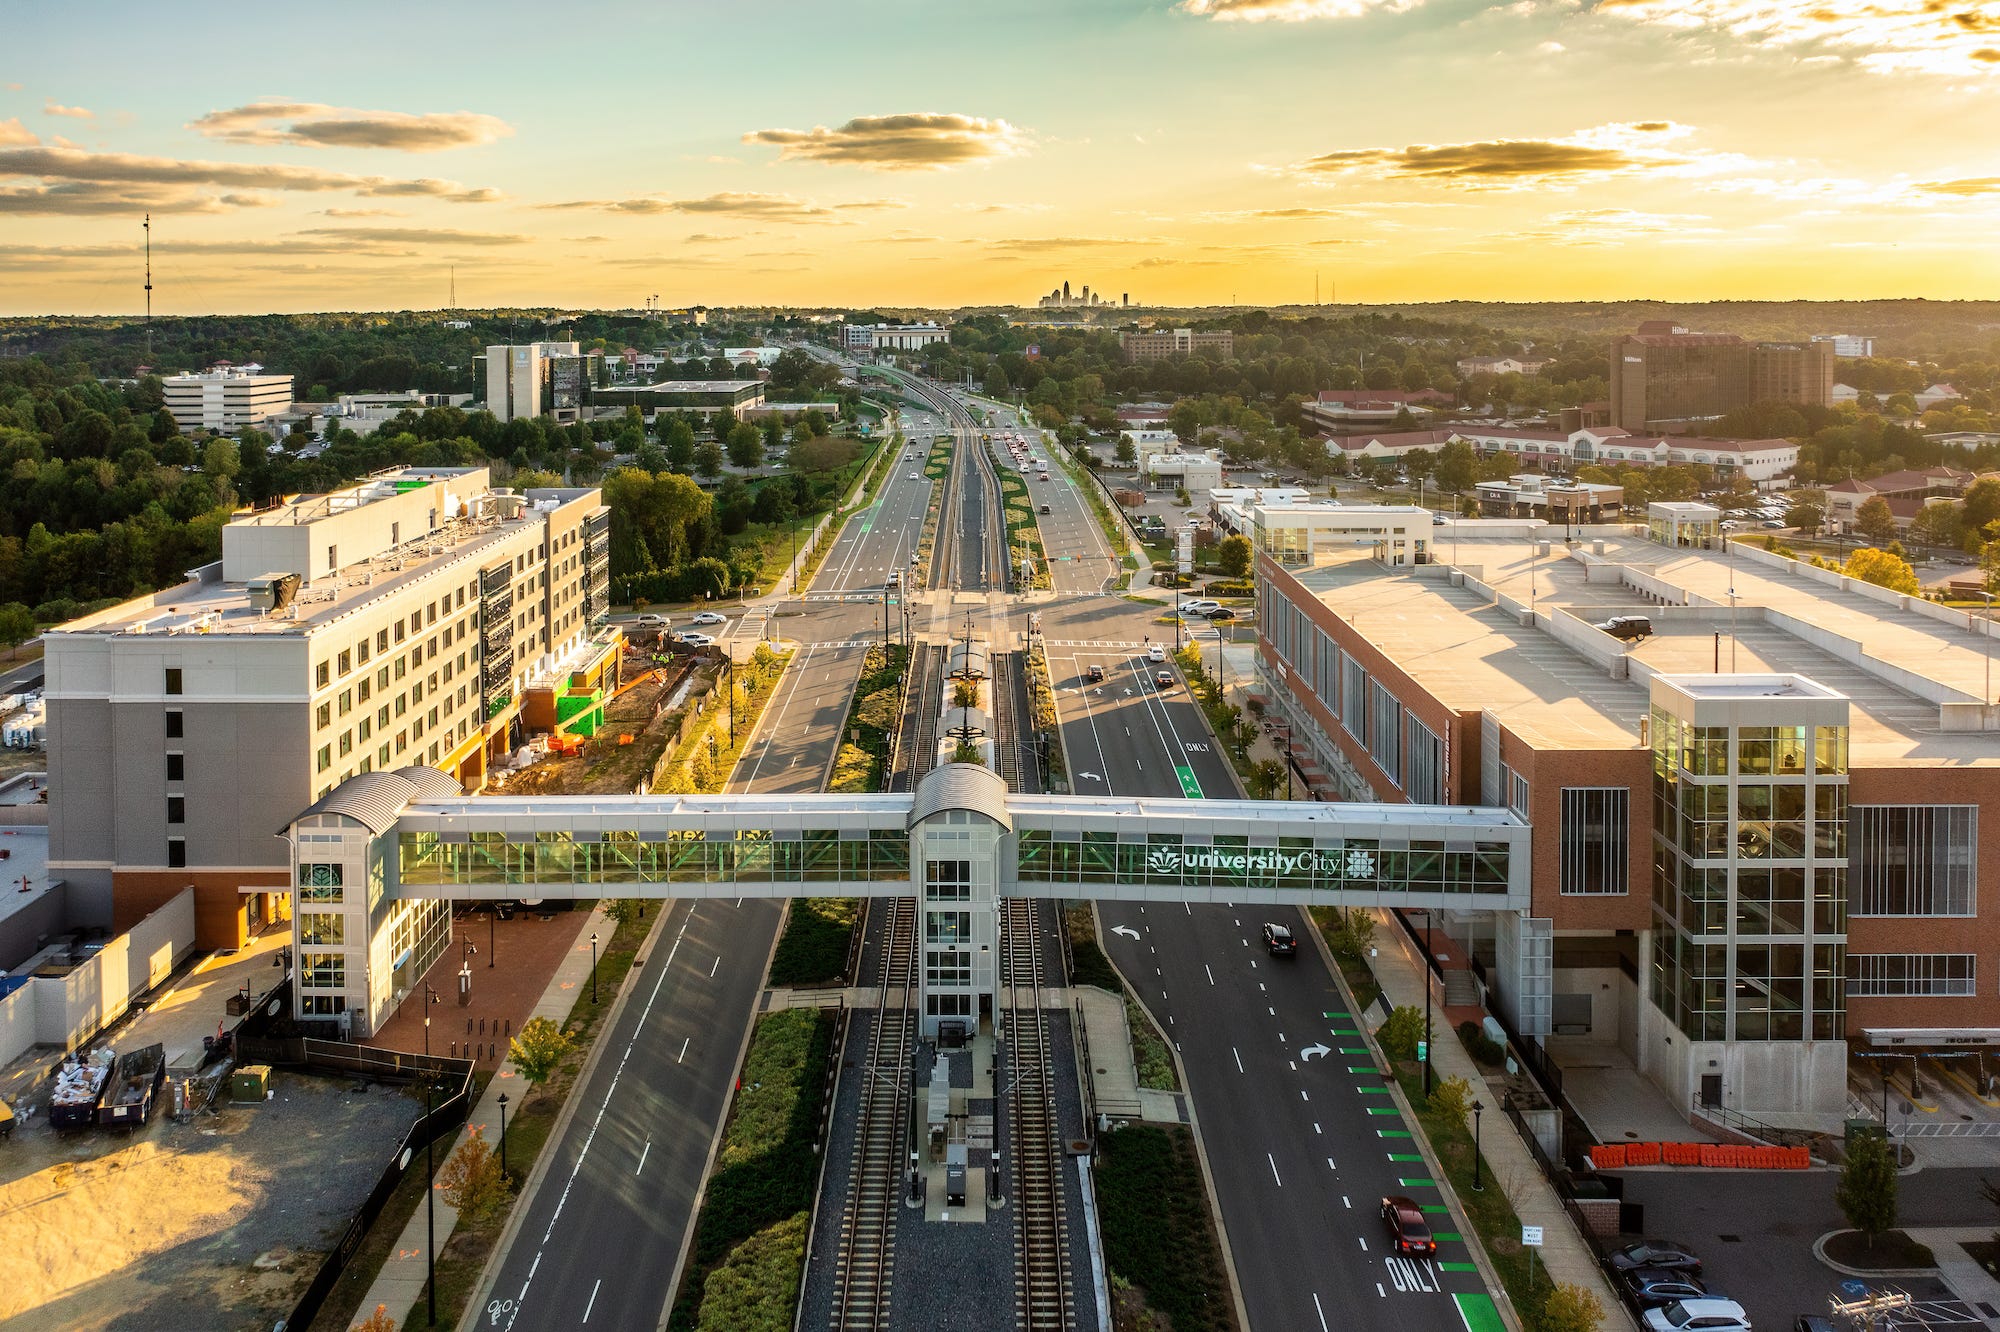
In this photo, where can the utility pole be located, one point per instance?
(149, 288)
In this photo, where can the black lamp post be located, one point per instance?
(502, 1103)
(430, 997)
(1476, 1108)
(593, 966)
(1429, 915)
(492, 915)
(430, 1192)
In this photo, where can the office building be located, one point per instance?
(227, 398)
(1760, 824)
(1846, 344)
(1160, 344)
(1197, 473)
(391, 624)
(1761, 461)
(1665, 376)
(702, 396)
(540, 379)
(867, 339)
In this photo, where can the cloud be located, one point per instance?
(738, 203)
(1551, 47)
(1603, 151)
(75, 164)
(1884, 36)
(921, 141)
(91, 199)
(13, 132)
(414, 236)
(1969, 188)
(1291, 11)
(311, 124)
(52, 107)
(362, 212)
(1044, 244)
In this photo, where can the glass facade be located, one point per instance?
(1163, 860)
(427, 859)
(1749, 879)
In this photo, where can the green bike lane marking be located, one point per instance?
(1392, 1133)
(1373, 1091)
(1382, 1110)
(1405, 1156)
(1418, 1183)
(1189, 786)
(1478, 1313)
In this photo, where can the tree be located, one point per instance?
(1874, 521)
(1454, 1097)
(538, 1049)
(1399, 1035)
(1937, 525)
(1571, 1309)
(1981, 504)
(1867, 1189)
(1127, 453)
(1456, 466)
(17, 624)
(678, 437)
(1235, 554)
(1266, 779)
(625, 911)
(708, 460)
(1884, 569)
(1184, 418)
(746, 445)
(471, 1179)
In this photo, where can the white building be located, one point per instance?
(539, 379)
(1847, 344)
(1151, 443)
(388, 625)
(892, 337)
(365, 413)
(227, 398)
(762, 357)
(1759, 460)
(1325, 533)
(1197, 472)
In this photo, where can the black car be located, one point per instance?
(1652, 1287)
(1279, 939)
(1656, 1253)
(1627, 628)
(1222, 616)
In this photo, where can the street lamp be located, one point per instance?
(593, 966)
(492, 915)
(430, 997)
(1476, 1108)
(1988, 698)
(502, 1103)
(1430, 913)
(430, 1190)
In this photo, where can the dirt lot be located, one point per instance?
(604, 766)
(212, 1226)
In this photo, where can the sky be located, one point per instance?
(827, 153)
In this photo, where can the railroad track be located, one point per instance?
(865, 1264)
(916, 738)
(1007, 740)
(1043, 1295)
(983, 565)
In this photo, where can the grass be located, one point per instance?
(1153, 1202)
(1042, 705)
(692, 766)
(1353, 966)
(1089, 966)
(1024, 536)
(813, 949)
(765, 1175)
(862, 763)
(1154, 1061)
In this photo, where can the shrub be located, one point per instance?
(1571, 1309)
(1453, 1097)
(1481, 1046)
(471, 1179)
(538, 1049)
(1400, 1034)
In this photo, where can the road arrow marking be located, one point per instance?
(1126, 930)
(1315, 1052)
(1090, 777)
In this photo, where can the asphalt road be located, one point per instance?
(880, 539)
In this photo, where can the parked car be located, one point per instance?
(1774, 524)
(1627, 628)
(1222, 615)
(1094, 673)
(1655, 1253)
(1201, 606)
(1279, 940)
(1651, 1287)
(1409, 1233)
(1703, 1315)
(710, 617)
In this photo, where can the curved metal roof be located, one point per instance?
(969, 659)
(372, 799)
(432, 783)
(971, 786)
(965, 721)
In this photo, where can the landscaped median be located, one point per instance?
(749, 1252)
(701, 763)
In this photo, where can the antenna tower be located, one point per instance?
(454, 286)
(149, 287)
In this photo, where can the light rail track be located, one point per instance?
(1044, 1299)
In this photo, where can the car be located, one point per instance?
(913, 476)
(1163, 679)
(650, 621)
(1703, 1315)
(1201, 606)
(1043, 509)
(1627, 628)
(1655, 1253)
(1437, 520)
(1094, 673)
(1773, 524)
(1222, 615)
(1279, 940)
(694, 640)
(1651, 1287)
(710, 617)
(895, 578)
(1409, 1234)
(1814, 1323)
(1156, 653)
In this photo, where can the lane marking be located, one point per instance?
(1274, 1169)
(685, 1042)
(592, 1303)
(1321, 1312)
(643, 1155)
(1237, 1057)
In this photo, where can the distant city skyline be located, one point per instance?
(1200, 151)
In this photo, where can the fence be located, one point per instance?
(443, 1118)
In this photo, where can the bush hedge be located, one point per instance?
(1154, 1206)
(813, 948)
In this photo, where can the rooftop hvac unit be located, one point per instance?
(273, 592)
(508, 506)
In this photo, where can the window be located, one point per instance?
(1596, 824)
(322, 971)
(1353, 697)
(177, 853)
(176, 719)
(176, 767)
(346, 663)
(324, 759)
(948, 880)
(322, 927)
(951, 966)
(382, 641)
(1385, 731)
(319, 883)
(1423, 773)
(322, 677)
(1517, 792)
(346, 743)
(1914, 860)
(332, 558)
(177, 809)
(1911, 975)
(361, 653)
(948, 1005)
(346, 701)
(322, 1005)
(325, 715)
(947, 926)
(173, 679)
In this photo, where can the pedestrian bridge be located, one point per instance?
(418, 845)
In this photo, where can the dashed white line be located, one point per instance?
(712, 970)
(592, 1302)
(1345, 1201)
(1274, 1169)
(1208, 973)
(1379, 1291)
(1321, 1312)
(1318, 1129)
(1362, 1241)
(1237, 1057)
(685, 1041)
(643, 1155)
(1330, 1165)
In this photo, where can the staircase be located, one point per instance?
(1461, 988)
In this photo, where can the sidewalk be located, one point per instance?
(400, 1283)
(1967, 1279)
(1398, 970)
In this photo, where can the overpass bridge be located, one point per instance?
(380, 861)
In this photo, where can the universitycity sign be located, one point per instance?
(1170, 861)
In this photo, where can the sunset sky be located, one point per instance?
(948, 152)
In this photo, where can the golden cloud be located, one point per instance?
(52, 107)
(313, 125)
(731, 203)
(77, 164)
(921, 141)
(1602, 151)
(1292, 11)
(1919, 36)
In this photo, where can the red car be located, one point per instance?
(1409, 1232)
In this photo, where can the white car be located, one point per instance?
(651, 621)
(1708, 1315)
(710, 617)
(692, 639)
(1156, 653)
(1201, 606)
(913, 476)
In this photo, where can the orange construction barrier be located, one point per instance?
(1608, 1155)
